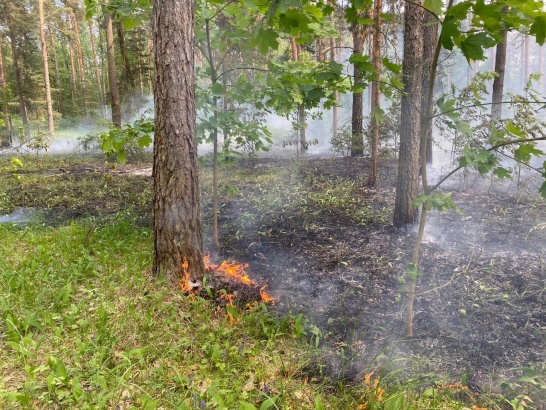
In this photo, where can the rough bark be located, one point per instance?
(407, 185)
(112, 77)
(96, 66)
(376, 92)
(177, 226)
(498, 82)
(430, 40)
(50, 124)
(357, 140)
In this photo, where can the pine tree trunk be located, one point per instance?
(18, 76)
(407, 184)
(72, 74)
(79, 59)
(4, 86)
(177, 225)
(112, 78)
(96, 66)
(376, 92)
(50, 125)
(430, 40)
(357, 140)
(498, 82)
(60, 105)
(335, 111)
(129, 81)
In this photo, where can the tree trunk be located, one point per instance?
(4, 86)
(357, 140)
(335, 111)
(525, 60)
(60, 105)
(128, 80)
(177, 225)
(541, 66)
(376, 92)
(430, 40)
(407, 184)
(112, 78)
(498, 82)
(72, 73)
(97, 71)
(50, 125)
(79, 56)
(18, 78)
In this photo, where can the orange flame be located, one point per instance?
(232, 269)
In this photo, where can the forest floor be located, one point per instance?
(324, 243)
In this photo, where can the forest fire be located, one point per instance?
(231, 269)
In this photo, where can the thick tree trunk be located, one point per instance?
(430, 40)
(498, 82)
(357, 140)
(177, 225)
(112, 77)
(97, 71)
(50, 125)
(376, 92)
(407, 185)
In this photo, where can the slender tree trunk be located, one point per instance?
(72, 73)
(177, 225)
(112, 78)
(376, 92)
(96, 65)
(357, 140)
(18, 76)
(541, 66)
(129, 81)
(525, 60)
(430, 40)
(79, 59)
(50, 125)
(498, 82)
(4, 86)
(407, 185)
(151, 65)
(301, 109)
(335, 111)
(60, 105)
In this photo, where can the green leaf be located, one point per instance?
(121, 156)
(233, 312)
(246, 406)
(147, 403)
(270, 402)
(473, 46)
(435, 6)
(501, 172)
(266, 39)
(392, 67)
(526, 151)
(513, 129)
(538, 29)
(394, 403)
(319, 404)
(145, 141)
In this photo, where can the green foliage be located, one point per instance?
(129, 141)
(437, 201)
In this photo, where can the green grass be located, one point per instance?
(84, 325)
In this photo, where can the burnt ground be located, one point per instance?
(481, 304)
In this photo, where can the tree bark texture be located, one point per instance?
(376, 92)
(357, 140)
(79, 59)
(335, 111)
(498, 82)
(177, 225)
(407, 185)
(50, 125)
(430, 41)
(112, 77)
